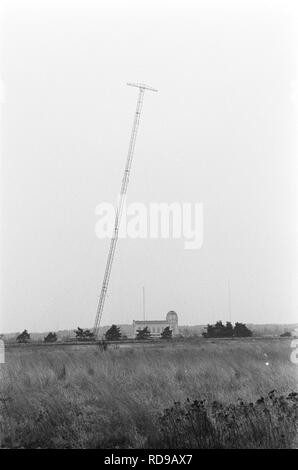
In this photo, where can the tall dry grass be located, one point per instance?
(83, 398)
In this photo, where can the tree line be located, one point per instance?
(219, 330)
(113, 334)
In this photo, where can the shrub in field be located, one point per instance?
(84, 335)
(113, 333)
(50, 338)
(270, 422)
(167, 333)
(144, 333)
(24, 337)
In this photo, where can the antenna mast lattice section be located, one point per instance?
(123, 191)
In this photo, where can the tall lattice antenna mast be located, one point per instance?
(124, 185)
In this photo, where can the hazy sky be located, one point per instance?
(221, 131)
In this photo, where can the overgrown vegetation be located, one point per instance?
(81, 397)
(269, 422)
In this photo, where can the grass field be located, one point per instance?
(66, 397)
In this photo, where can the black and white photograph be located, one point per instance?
(149, 227)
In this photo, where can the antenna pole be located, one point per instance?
(123, 191)
(230, 306)
(143, 303)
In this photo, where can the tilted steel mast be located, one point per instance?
(123, 191)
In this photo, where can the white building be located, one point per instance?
(156, 327)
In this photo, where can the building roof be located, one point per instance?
(146, 322)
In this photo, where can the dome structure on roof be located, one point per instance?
(172, 317)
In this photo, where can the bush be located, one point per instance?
(84, 335)
(113, 333)
(143, 334)
(50, 338)
(268, 423)
(167, 333)
(24, 337)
